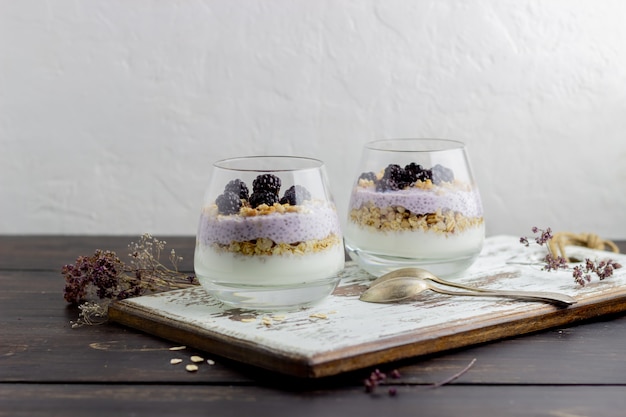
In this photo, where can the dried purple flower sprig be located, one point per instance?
(94, 281)
(602, 269)
(99, 277)
(377, 377)
(543, 237)
(582, 274)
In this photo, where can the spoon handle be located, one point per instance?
(549, 297)
(441, 281)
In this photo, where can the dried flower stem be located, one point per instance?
(455, 376)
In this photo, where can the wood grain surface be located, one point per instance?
(49, 369)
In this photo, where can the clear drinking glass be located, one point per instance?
(415, 204)
(269, 235)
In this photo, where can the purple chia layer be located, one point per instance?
(315, 222)
(421, 201)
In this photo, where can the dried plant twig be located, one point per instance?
(377, 377)
(455, 376)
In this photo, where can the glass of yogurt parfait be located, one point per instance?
(415, 204)
(269, 236)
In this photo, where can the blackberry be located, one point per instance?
(386, 184)
(426, 174)
(397, 174)
(442, 174)
(295, 194)
(266, 182)
(370, 176)
(238, 187)
(228, 203)
(263, 197)
(414, 172)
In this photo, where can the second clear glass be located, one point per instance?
(415, 204)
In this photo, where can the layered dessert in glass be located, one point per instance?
(264, 248)
(409, 214)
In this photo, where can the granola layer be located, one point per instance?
(398, 218)
(268, 247)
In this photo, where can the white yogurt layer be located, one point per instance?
(215, 266)
(416, 244)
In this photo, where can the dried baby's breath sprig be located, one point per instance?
(582, 274)
(145, 263)
(92, 282)
(91, 314)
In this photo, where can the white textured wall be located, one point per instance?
(112, 111)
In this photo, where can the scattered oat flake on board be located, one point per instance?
(250, 320)
(175, 361)
(191, 367)
(210, 362)
(318, 316)
(178, 348)
(267, 321)
(197, 359)
(278, 318)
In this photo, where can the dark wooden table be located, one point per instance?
(47, 368)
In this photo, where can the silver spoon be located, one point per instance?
(406, 283)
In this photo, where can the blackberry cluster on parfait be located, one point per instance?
(265, 190)
(397, 178)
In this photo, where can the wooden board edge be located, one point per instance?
(222, 345)
(376, 353)
(412, 346)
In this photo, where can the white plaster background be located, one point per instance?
(112, 111)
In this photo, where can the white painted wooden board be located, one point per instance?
(342, 333)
